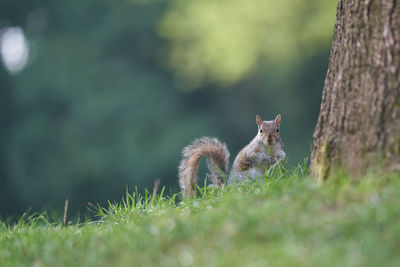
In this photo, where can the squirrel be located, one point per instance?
(265, 150)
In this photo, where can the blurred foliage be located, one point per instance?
(222, 41)
(96, 109)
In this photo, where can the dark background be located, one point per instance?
(113, 90)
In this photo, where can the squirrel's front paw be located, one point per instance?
(263, 158)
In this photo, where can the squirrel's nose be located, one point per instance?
(269, 138)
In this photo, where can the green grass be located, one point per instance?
(284, 219)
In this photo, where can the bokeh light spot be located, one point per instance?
(14, 49)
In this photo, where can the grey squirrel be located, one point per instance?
(264, 150)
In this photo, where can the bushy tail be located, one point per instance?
(217, 159)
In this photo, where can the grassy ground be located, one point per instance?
(284, 220)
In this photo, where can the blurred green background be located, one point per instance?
(99, 95)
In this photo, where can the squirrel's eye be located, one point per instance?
(260, 130)
(277, 130)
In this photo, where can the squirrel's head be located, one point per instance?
(268, 131)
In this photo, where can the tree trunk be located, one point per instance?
(359, 121)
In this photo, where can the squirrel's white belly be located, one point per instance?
(275, 151)
(257, 171)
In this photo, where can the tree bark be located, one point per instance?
(359, 121)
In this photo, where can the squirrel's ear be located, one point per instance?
(259, 121)
(278, 119)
